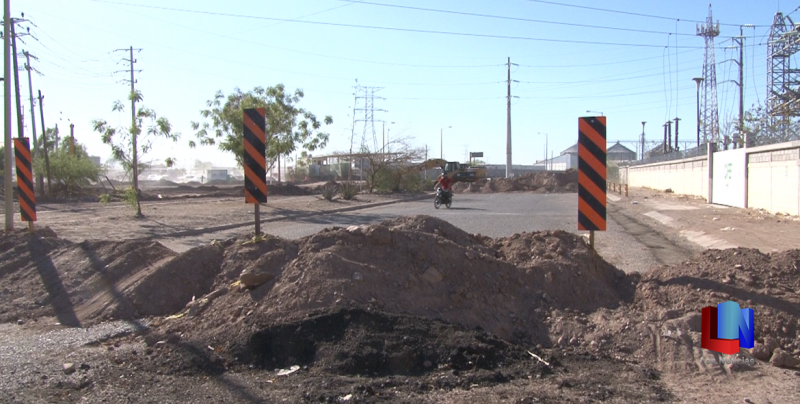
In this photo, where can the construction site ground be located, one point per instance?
(403, 308)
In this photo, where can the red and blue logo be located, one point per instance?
(726, 328)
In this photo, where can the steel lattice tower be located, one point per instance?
(709, 111)
(782, 80)
(365, 97)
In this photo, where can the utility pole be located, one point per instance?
(664, 149)
(642, 155)
(16, 78)
(8, 196)
(44, 141)
(676, 133)
(39, 176)
(740, 41)
(134, 132)
(508, 124)
(71, 139)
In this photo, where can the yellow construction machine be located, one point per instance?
(456, 171)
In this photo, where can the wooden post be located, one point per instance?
(626, 190)
(30, 227)
(258, 218)
(591, 239)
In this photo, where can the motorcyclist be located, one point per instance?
(445, 183)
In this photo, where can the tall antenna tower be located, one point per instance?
(709, 111)
(784, 41)
(365, 102)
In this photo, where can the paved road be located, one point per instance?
(494, 215)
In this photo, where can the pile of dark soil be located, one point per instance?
(410, 296)
(546, 181)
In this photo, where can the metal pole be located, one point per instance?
(44, 141)
(71, 139)
(676, 133)
(642, 156)
(7, 167)
(508, 124)
(741, 87)
(697, 81)
(258, 218)
(20, 132)
(133, 141)
(39, 176)
(441, 144)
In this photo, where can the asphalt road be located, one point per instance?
(494, 215)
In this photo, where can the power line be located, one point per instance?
(630, 13)
(433, 10)
(396, 29)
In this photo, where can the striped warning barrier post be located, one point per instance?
(255, 164)
(27, 199)
(592, 173)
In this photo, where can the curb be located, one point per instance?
(229, 226)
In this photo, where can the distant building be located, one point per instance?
(95, 160)
(216, 175)
(618, 152)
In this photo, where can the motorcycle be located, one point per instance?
(442, 198)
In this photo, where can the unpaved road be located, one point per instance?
(183, 224)
(662, 232)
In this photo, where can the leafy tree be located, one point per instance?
(387, 171)
(69, 170)
(288, 127)
(128, 145)
(761, 129)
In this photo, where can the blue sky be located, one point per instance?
(634, 65)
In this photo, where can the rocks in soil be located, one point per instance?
(339, 295)
(69, 368)
(783, 359)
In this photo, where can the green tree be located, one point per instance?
(761, 129)
(288, 127)
(146, 128)
(69, 169)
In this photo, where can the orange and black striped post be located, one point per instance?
(27, 199)
(592, 175)
(255, 164)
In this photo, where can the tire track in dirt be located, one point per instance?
(666, 250)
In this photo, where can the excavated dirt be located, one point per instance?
(408, 310)
(544, 182)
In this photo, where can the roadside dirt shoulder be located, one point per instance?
(707, 225)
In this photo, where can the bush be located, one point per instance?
(105, 199)
(130, 197)
(348, 190)
(71, 171)
(329, 191)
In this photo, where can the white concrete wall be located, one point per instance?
(729, 178)
(774, 181)
(686, 177)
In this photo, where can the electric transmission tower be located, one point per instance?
(708, 110)
(365, 103)
(784, 41)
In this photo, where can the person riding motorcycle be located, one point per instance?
(445, 183)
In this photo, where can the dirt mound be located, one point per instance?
(419, 266)
(767, 283)
(82, 284)
(549, 181)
